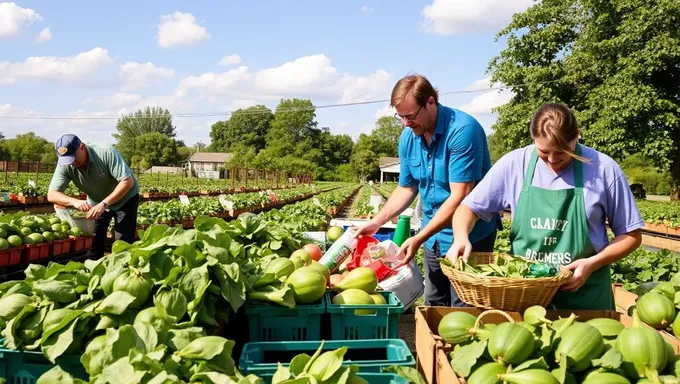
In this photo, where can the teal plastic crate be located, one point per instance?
(25, 367)
(371, 356)
(383, 324)
(270, 322)
(372, 378)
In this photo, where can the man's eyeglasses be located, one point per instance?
(410, 118)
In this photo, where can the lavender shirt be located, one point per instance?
(605, 187)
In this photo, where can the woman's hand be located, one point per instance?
(460, 247)
(582, 269)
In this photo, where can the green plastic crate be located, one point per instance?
(25, 367)
(372, 378)
(383, 324)
(275, 323)
(262, 358)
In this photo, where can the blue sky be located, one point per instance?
(89, 59)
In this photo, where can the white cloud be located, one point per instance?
(44, 36)
(387, 110)
(121, 100)
(481, 84)
(230, 60)
(484, 103)
(142, 76)
(180, 29)
(457, 17)
(309, 76)
(481, 105)
(365, 88)
(366, 9)
(241, 104)
(13, 18)
(71, 69)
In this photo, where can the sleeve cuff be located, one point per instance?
(630, 228)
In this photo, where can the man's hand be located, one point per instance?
(409, 249)
(82, 205)
(460, 247)
(367, 229)
(582, 269)
(95, 212)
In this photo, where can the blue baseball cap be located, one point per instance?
(66, 147)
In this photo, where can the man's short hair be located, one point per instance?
(418, 86)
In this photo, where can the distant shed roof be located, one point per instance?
(211, 157)
(386, 161)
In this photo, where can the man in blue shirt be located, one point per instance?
(442, 157)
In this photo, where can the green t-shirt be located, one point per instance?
(107, 168)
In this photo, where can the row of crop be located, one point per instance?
(311, 214)
(361, 207)
(31, 188)
(175, 212)
(386, 189)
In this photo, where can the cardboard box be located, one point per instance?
(433, 353)
(623, 298)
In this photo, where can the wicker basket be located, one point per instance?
(507, 294)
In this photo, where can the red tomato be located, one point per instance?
(313, 251)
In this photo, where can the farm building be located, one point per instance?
(208, 164)
(389, 168)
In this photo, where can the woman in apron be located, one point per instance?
(561, 195)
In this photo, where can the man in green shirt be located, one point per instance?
(112, 190)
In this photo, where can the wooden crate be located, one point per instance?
(433, 353)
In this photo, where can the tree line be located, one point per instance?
(290, 139)
(287, 139)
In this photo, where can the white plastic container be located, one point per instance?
(340, 250)
(407, 284)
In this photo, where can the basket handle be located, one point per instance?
(490, 311)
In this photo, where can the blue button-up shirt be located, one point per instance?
(458, 153)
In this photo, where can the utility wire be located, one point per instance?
(243, 112)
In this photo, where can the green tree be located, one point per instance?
(365, 164)
(385, 136)
(185, 152)
(243, 156)
(28, 147)
(157, 149)
(246, 127)
(292, 128)
(614, 63)
(136, 124)
(265, 159)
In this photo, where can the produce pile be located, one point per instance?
(659, 307)
(150, 311)
(538, 350)
(211, 352)
(171, 288)
(505, 266)
(23, 228)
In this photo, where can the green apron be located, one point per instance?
(550, 226)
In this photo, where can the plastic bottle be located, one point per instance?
(403, 230)
(339, 251)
